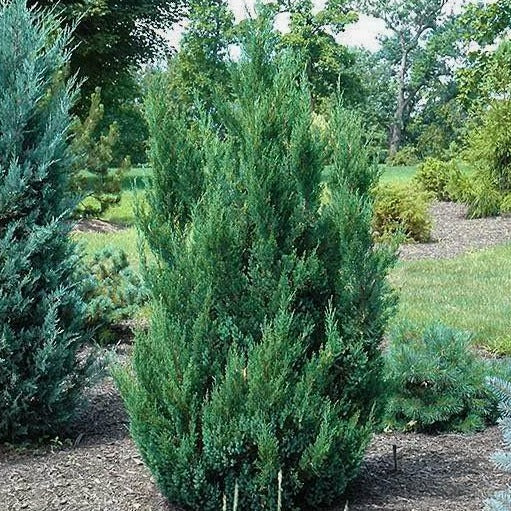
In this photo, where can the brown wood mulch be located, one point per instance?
(97, 467)
(453, 234)
(94, 225)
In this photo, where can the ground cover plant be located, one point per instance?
(262, 386)
(41, 308)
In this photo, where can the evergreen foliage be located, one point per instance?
(437, 383)
(501, 501)
(92, 177)
(113, 292)
(41, 311)
(269, 303)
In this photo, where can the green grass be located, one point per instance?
(397, 174)
(136, 178)
(470, 292)
(133, 185)
(127, 240)
(123, 213)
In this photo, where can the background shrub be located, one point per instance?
(404, 157)
(263, 353)
(436, 176)
(484, 199)
(460, 188)
(437, 382)
(114, 292)
(489, 152)
(402, 209)
(41, 311)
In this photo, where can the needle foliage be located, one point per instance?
(261, 374)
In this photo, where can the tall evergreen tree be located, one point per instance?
(259, 380)
(41, 312)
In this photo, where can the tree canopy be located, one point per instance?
(113, 36)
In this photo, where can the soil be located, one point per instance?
(98, 468)
(453, 234)
(95, 225)
(446, 472)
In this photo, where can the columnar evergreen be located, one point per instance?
(40, 308)
(260, 377)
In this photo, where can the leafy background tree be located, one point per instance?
(417, 49)
(114, 38)
(200, 67)
(329, 64)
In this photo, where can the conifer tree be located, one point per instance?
(501, 501)
(93, 179)
(259, 380)
(41, 312)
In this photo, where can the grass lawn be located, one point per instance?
(123, 212)
(397, 174)
(471, 292)
(127, 240)
(133, 185)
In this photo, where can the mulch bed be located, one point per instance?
(97, 468)
(434, 473)
(95, 225)
(453, 234)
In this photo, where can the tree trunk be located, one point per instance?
(396, 129)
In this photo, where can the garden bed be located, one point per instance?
(453, 234)
(99, 469)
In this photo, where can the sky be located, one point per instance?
(363, 33)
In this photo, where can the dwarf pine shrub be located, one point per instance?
(270, 304)
(437, 383)
(41, 311)
(93, 179)
(113, 291)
